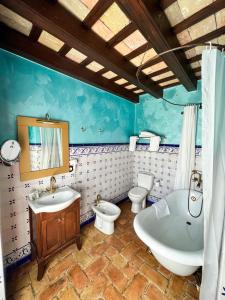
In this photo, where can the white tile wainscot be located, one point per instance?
(109, 170)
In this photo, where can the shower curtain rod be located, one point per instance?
(220, 47)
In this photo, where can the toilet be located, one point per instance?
(106, 214)
(138, 194)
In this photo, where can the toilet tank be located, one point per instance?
(145, 180)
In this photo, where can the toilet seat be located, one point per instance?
(138, 192)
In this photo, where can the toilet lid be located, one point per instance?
(138, 192)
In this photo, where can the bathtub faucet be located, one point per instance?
(197, 178)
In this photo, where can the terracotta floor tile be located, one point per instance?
(95, 289)
(115, 267)
(112, 294)
(117, 277)
(115, 242)
(96, 267)
(118, 260)
(110, 252)
(53, 289)
(153, 293)
(38, 286)
(176, 287)
(82, 258)
(136, 262)
(155, 277)
(61, 267)
(24, 294)
(98, 249)
(164, 271)
(68, 294)
(130, 250)
(79, 278)
(192, 290)
(136, 288)
(148, 258)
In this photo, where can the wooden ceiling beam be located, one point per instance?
(166, 79)
(154, 25)
(137, 51)
(35, 33)
(171, 85)
(159, 72)
(199, 16)
(166, 3)
(16, 42)
(174, 77)
(122, 34)
(63, 25)
(64, 50)
(97, 11)
(195, 58)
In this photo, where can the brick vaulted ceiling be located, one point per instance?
(103, 42)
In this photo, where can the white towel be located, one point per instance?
(161, 209)
(154, 144)
(146, 134)
(133, 141)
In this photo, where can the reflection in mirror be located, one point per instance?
(45, 145)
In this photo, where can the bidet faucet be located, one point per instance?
(98, 199)
(52, 187)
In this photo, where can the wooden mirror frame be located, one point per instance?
(23, 137)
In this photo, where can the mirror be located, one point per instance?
(44, 147)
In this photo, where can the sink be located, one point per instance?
(53, 202)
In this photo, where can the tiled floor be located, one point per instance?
(107, 267)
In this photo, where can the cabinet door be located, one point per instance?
(71, 222)
(51, 234)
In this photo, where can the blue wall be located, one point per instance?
(157, 116)
(29, 89)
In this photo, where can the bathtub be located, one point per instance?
(176, 240)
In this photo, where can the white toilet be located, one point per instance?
(138, 194)
(106, 214)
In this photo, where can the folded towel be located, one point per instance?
(161, 209)
(146, 134)
(154, 144)
(133, 141)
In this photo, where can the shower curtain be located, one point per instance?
(186, 156)
(51, 147)
(213, 167)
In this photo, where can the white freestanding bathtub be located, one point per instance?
(176, 240)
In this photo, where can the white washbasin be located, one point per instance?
(52, 202)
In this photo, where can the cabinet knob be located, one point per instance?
(62, 219)
(59, 220)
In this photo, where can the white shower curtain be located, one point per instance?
(186, 156)
(51, 147)
(213, 166)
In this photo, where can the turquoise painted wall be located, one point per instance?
(157, 116)
(29, 89)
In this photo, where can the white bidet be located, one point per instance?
(106, 214)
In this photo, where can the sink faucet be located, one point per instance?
(52, 187)
(99, 198)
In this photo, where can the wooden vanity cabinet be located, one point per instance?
(52, 232)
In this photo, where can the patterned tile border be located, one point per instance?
(79, 150)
